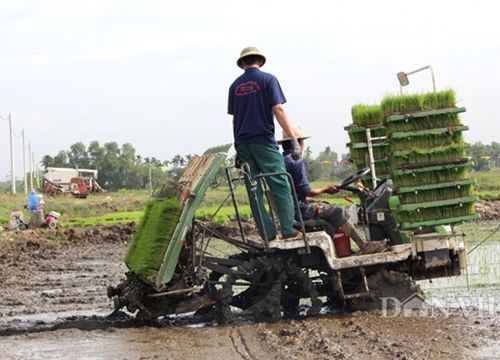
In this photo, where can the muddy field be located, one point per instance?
(53, 305)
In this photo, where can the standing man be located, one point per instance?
(255, 98)
(311, 208)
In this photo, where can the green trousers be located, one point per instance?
(263, 160)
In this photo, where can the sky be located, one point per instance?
(156, 74)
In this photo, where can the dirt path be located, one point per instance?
(53, 305)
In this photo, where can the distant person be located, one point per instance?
(255, 98)
(36, 219)
(310, 208)
(33, 201)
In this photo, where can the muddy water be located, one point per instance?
(141, 343)
(53, 306)
(360, 335)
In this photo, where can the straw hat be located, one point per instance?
(250, 50)
(299, 134)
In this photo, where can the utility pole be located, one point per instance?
(35, 167)
(12, 158)
(31, 166)
(24, 167)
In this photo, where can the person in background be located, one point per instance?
(41, 201)
(255, 99)
(33, 201)
(311, 208)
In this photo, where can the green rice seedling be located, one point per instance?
(489, 196)
(367, 180)
(401, 103)
(364, 115)
(433, 213)
(153, 235)
(418, 156)
(382, 165)
(358, 134)
(425, 141)
(358, 153)
(422, 123)
(360, 166)
(378, 131)
(224, 214)
(443, 99)
(430, 177)
(105, 219)
(379, 150)
(417, 102)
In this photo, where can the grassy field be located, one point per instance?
(488, 184)
(124, 206)
(121, 206)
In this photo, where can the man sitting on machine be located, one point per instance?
(310, 208)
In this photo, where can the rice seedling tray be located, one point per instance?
(438, 131)
(382, 164)
(440, 203)
(448, 210)
(424, 113)
(357, 134)
(429, 138)
(435, 192)
(411, 169)
(428, 157)
(447, 221)
(359, 150)
(455, 170)
(419, 188)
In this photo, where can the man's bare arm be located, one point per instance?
(282, 118)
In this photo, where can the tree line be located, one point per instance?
(484, 156)
(121, 168)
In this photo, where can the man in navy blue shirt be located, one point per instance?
(255, 98)
(311, 208)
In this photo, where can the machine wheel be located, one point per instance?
(260, 288)
(298, 285)
(255, 288)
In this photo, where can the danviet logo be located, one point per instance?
(417, 305)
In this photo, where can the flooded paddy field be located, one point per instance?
(53, 305)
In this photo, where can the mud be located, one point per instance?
(53, 305)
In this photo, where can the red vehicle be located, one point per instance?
(78, 187)
(79, 182)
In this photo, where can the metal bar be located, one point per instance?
(224, 261)
(371, 159)
(174, 292)
(235, 204)
(252, 183)
(296, 202)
